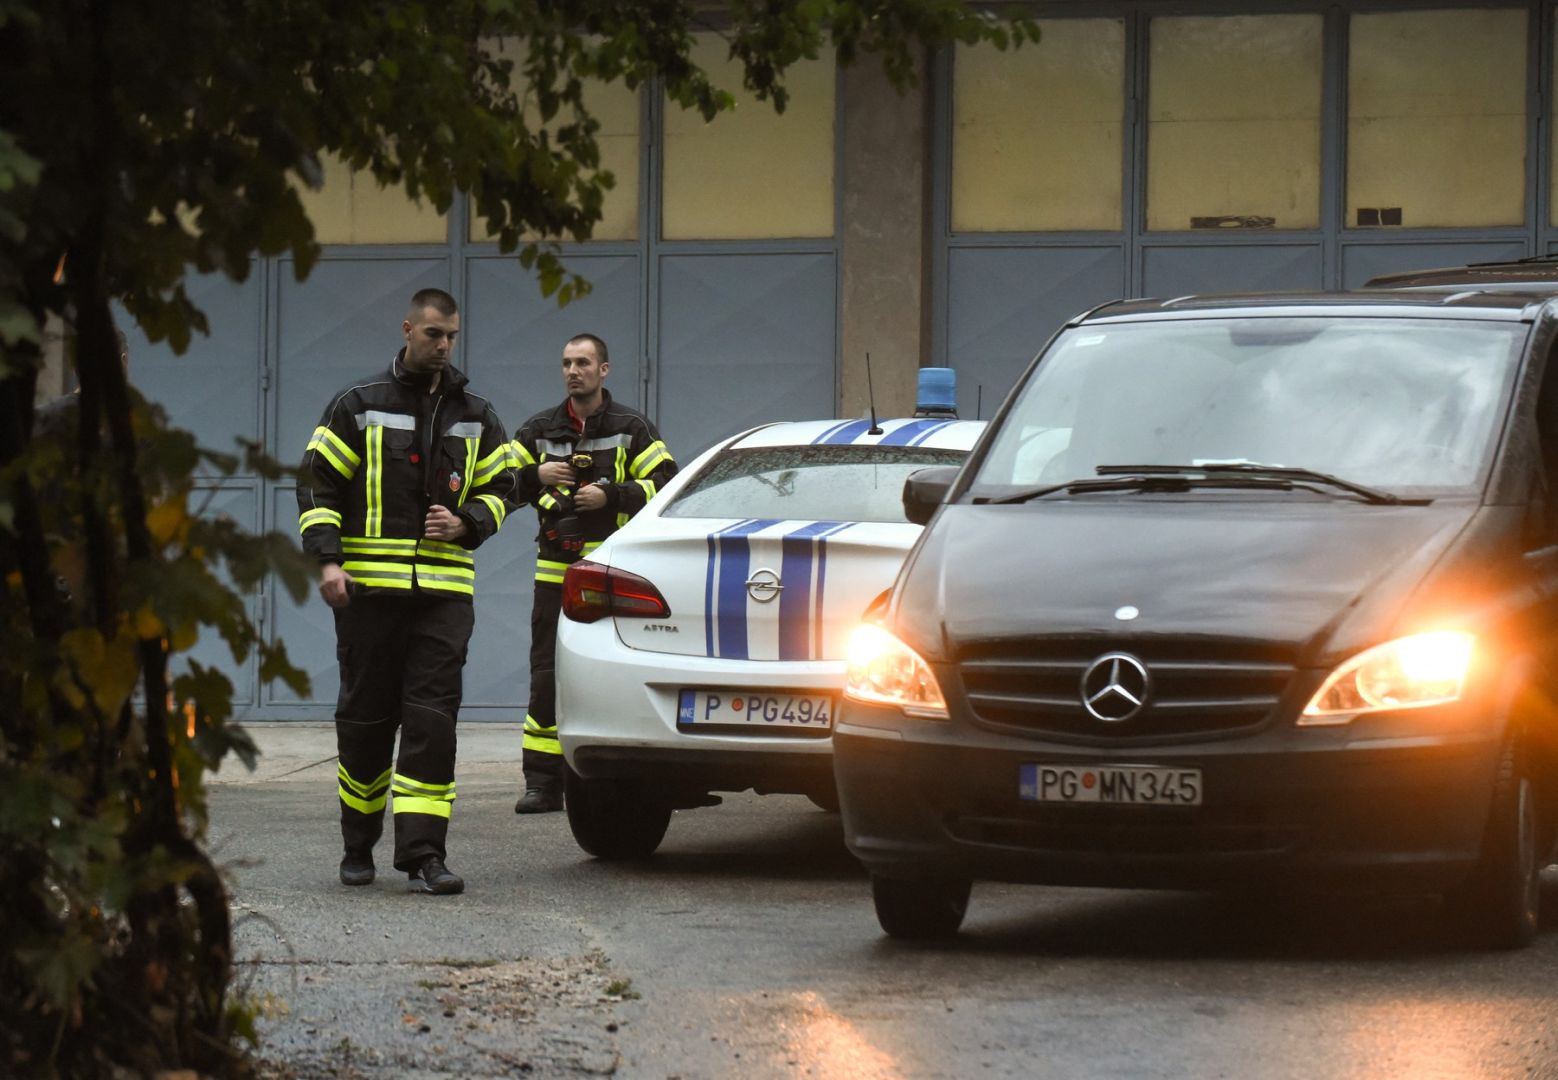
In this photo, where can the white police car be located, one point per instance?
(702, 647)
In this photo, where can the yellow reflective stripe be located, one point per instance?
(546, 502)
(550, 577)
(495, 504)
(443, 550)
(374, 549)
(321, 447)
(649, 488)
(521, 455)
(383, 541)
(318, 516)
(622, 461)
(540, 745)
(408, 804)
(422, 787)
(535, 727)
(339, 444)
(494, 463)
(646, 463)
(471, 446)
(381, 583)
(362, 806)
(374, 566)
(360, 787)
(591, 545)
(430, 582)
(439, 572)
(622, 519)
(374, 519)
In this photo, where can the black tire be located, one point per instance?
(614, 819)
(920, 910)
(1498, 906)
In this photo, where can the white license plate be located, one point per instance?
(754, 709)
(1131, 785)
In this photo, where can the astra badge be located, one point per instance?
(454, 481)
(764, 586)
(1114, 687)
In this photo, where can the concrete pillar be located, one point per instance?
(884, 254)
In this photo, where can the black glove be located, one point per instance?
(567, 532)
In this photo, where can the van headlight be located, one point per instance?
(884, 671)
(1408, 673)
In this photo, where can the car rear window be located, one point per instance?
(813, 483)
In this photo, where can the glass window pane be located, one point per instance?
(351, 208)
(751, 173)
(617, 109)
(1221, 154)
(1036, 131)
(1436, 118)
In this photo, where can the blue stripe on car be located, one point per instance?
(844, 434)
(800, 551)
(735, 560)
(831, 431)
(927, 433)
(822, 568)
(904, 433)
(708, 588)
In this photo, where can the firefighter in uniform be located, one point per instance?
(407, 472)
(588, 466)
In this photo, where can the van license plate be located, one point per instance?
(1131, 785)
(757, 710)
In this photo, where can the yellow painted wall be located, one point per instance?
(1437, 116)
(1234, 119)
(617, 109)
(1036, 131)
(352, 208)
(751, 173)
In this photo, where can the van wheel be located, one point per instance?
(920, 910)
(614, 819)
(1498, 906)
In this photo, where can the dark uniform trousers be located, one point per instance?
(542, 754)
(401, 660)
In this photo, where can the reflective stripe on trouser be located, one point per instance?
(542, 754)
(401, 659)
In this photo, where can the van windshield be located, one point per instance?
(1395, 403)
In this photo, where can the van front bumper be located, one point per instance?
(1324, 808)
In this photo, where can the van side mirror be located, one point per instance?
(926, 489)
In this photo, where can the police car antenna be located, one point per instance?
(979, 402)
(876, 429)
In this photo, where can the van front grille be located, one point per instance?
(1194, 689)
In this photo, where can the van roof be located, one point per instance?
(1460, 302)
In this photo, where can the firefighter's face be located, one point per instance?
(430, 340)
(583, 369)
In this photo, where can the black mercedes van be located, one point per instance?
(1235, 591)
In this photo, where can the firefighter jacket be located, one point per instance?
(627, 458)
(384, 453)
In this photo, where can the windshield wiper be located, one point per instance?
(1274, 472)
(1139, 480)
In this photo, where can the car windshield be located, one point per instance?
(813, 483)
(1393, 403)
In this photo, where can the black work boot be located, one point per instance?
(434, 877)
(543, 794)
(357, 868)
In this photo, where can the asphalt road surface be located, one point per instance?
(747, 947)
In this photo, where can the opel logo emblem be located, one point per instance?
(1114, 687)
(764, 585)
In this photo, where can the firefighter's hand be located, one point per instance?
(553, 473)
(443, 524)
(335, 585)
(590, 497)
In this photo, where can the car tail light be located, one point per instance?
(592, 591)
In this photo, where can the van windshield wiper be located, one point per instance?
(1140, 481)
(1274, 472)
(1213, 474)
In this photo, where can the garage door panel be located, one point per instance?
(514, 336)
(744, 340)
(1004, 303)
(213, 390)
(342, 324)
(1363, 261)
(1223, 268)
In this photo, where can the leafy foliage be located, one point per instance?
(141, 141)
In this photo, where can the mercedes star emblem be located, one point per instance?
(1114, 687)
(764, 585)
